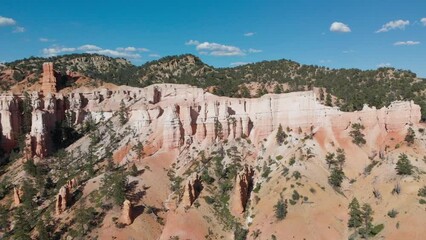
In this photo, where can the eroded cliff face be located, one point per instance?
(178, 115)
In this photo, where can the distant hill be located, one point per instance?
(353, 87)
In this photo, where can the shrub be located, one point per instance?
(297, 175)
(281, 135)
(403, 166)
(422, 192)
(280, 209)
(336, 177)
(409, 138)
(357, 135)
(392, 213)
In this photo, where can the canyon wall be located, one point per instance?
(179, 115)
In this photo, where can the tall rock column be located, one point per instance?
(48, 82)
(172, 132)
(243, 187)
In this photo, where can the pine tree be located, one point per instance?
(328, 100)
(403, 166)
(340, 158)
(281, 135)
(411, 135)
(367, 220)
(122, 113)
(281, 209)
(355, 220)
(329, 158)
(336, 177)
(22, 225)
(43, 233)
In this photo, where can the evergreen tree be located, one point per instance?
(329, 158)
(403, 166)
(357, 135)
(340, 157)
(411, 135)
(367, 220)
(22, 227)
(122, 113)
(355, 219)
(280, 209)
(281, 135)
(42, 229)
(114, 186)
(336, 177)
(4, 222)
(328, 100)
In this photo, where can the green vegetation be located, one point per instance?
(280, 209)
(352, 87)
(114, 185)
(403, 166)
(122, 113)
(422, 192)
(355, 219)
(281, 135)
(336, 177)
(392, 213)
(357, 135)
(411, 135)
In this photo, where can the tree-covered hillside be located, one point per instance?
(353, 87)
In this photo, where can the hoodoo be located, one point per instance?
(48, 82)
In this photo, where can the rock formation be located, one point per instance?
(192, 190)
(242, 190)
(178, 112)
(17, 196)
(127, 213)
(48, 82)
(72, 184)
(62, 200)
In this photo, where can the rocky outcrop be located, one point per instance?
(72, 184)
(242, 190)
(62, 200)
(127, 213)
(48, 82)
(171, 113)
(17, 196)
(192, 190)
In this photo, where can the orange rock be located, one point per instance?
(242, 190)
(48, 82)
(127, 213)
(62, 200)
(17, 196)
(192, 190)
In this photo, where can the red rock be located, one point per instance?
(48, 82)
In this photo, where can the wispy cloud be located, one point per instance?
(19, 30)
(252, 50)
(5, 21)
(339, 27)
(154, 55)
(384, 65)
(249, 34)
(215, 49)
(46, 40)
(235, 64)
(397, 24)
(406, 43)
(126, 52)
(423, 21)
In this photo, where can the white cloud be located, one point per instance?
(192, 42)
(19, 30)
(154, 55)
(89, 47)
(46, 40)
(423, 21)
(132, 49)
(252, 50)
(215, 49)
(235, 64)
(5, 21)
(53, 51)
(128, 52)
(339, 27)
(249, 34)
(384, 65)
(397, 24)
(406, 43)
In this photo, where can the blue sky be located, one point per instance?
(346, 33)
